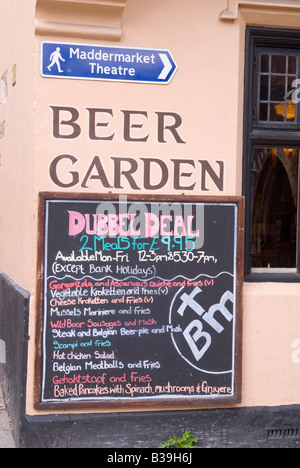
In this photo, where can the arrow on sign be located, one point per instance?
(109, 63)
(167, 67)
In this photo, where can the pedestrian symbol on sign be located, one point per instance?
(55, 57)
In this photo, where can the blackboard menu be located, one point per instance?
(140, 302)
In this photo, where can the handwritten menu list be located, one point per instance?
(139, 301)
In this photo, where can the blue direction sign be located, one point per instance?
(96, 62)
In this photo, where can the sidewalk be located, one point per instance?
(6, 438)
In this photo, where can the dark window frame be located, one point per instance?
(284, 135)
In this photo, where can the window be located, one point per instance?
(276, 76)
(271, 155)
(274, 207)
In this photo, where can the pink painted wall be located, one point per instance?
(17, 140)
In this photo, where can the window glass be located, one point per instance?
(274, 210)
(278, 64)
(271, 172)
(292, 65)
(264, 65)
(276, 76)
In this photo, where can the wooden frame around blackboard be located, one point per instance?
(139, 404)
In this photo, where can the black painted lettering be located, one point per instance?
(178, 174)
(98, 175)
(218, 179)
(150, 168)
(71, 122)
(128, 125)
(119, 171)
(162, 126)
(54, 171)
(93, 124)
